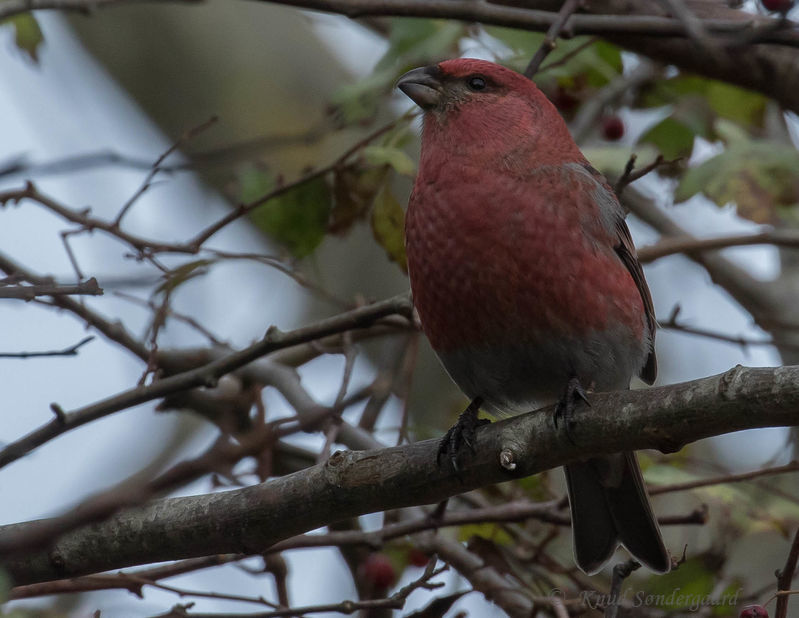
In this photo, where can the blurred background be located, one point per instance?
(88, 109)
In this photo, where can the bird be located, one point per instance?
(526, 281)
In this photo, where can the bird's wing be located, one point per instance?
(625, 249)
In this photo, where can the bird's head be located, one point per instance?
(475, 104)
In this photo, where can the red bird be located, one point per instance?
(526, 280)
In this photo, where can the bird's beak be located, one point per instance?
(422, 85)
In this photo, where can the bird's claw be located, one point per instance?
(567, 405)
(461, 433)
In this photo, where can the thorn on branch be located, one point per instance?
(60, 415)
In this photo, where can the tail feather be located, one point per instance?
(610, 505)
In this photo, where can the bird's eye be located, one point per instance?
(477, 83)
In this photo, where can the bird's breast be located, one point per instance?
(500, 262)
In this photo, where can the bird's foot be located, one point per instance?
(462, 432)
(568, 403)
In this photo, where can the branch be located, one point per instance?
(670, 246)
(769, 69)
(466, 10)
(727, 478)
(395, 601)
(206, 375)
(29, 292)
(784, 578)
(68, 351)
(758, 297)
(558, 28)
(251, 519)
(115, 331)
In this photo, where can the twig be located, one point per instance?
(114, 331)
(181, 317)
(120, 580)
(669, 245)
(156, 167)
(69, 351)
(517, 511)
(232, 153)
(566, 57)
(654, 490)
(395, 601)
(785, 576)
(630, 176)
(558, 28)
(671, 323)
(29, 292)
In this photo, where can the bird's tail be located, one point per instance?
(610, 505)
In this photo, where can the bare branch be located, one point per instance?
(354, 483)
(69, 351)
(120, 580)
(156, 167)
(467, 10)
(689, 244)
(114, 331)
(727, 478)
(558, 28)
(29, 292)
(206, 375)
(784, 578)
(395, 601)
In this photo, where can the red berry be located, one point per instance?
(417, 557)
(378, 571)
(753, 611)
(612, 128)
(781, 6)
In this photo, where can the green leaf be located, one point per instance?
(388, 227)
(724, 100)
(671, 137)
(737, 104)
(760, 177)
(490, 531)
(27, 34)
(389, 155)
(297, 218)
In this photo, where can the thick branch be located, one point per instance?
(250, 520)
(770, 69)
